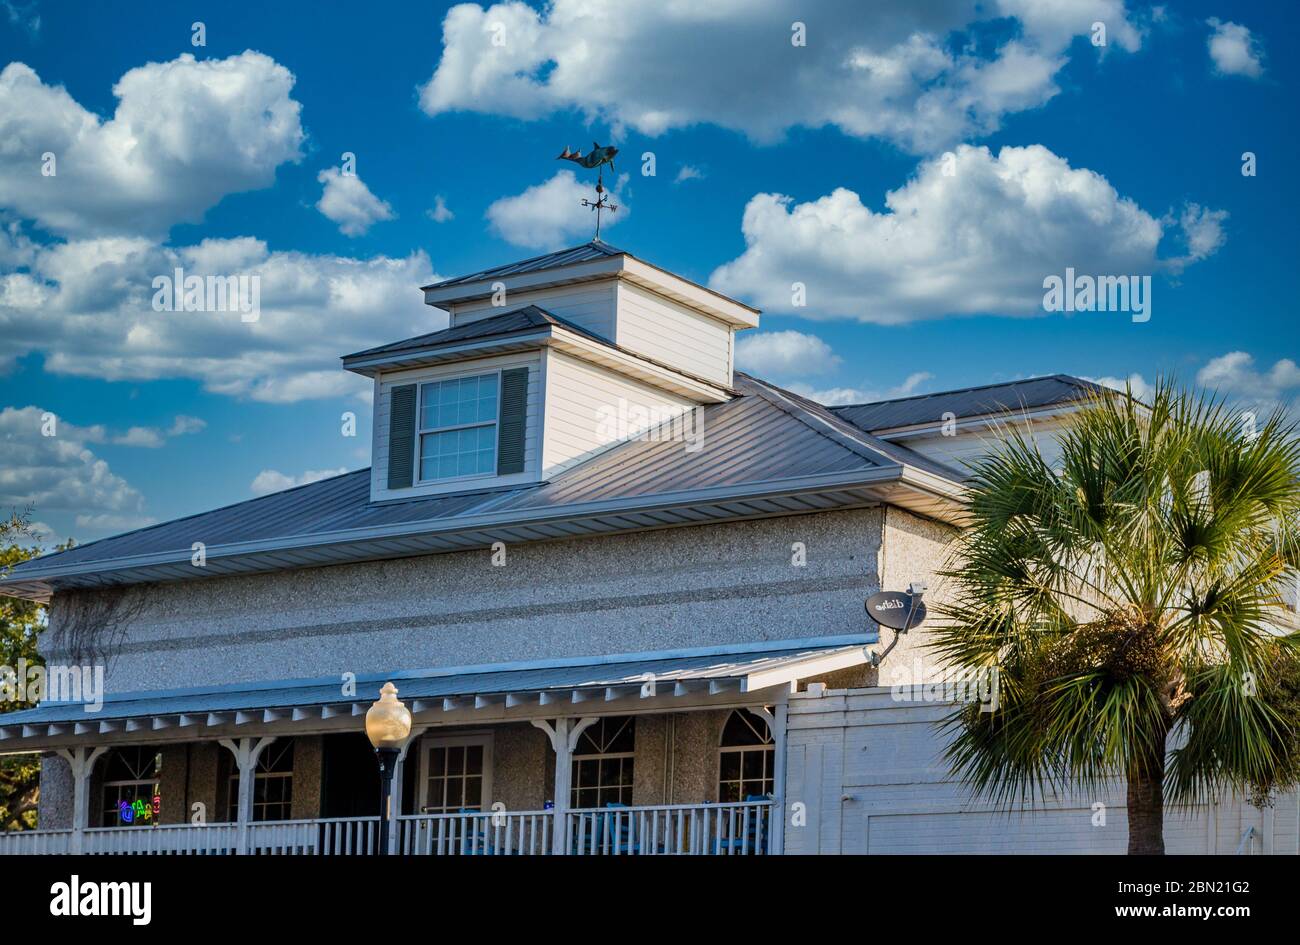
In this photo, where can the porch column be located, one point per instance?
(82, 761)
(395, 809)
(564, 739)
(246, 752)
(776, 724)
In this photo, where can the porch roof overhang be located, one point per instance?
(630, 682)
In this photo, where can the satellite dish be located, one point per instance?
(896, 609)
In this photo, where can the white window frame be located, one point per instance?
(600, 787)
(428, 743)
(264, 776)
(116, 786)
(768, 747)
(421, 432)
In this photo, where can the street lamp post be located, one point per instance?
(388, 725)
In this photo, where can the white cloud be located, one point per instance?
(1234, 375)
(184, 425)
(1203, 230)
(839, 396)
(147, 437)
(784, 354)
(899, 70)
(978, 240)
(88, 305)
(439, 213)
(688, 172)
(1234, 50)
(347, 201)
(185, 133)
(59, 476)
(272, 480)
(1141, 388)
(551, 214)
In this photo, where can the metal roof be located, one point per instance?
(596, 249)
(765, 451)
(528, 318)
(1010, 397)
(706, 670)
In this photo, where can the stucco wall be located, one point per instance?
(656, 590)
(914, 549)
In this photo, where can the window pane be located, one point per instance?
(730, 765)
(470, 451)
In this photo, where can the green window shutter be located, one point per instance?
(514, 421)
(401, 437)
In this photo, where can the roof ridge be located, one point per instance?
(782, 400)
(600, 246)
(1067, 378)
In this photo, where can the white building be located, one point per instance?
(619, 584)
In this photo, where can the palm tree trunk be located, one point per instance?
(1146, 804)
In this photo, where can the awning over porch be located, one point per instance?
(453, 695)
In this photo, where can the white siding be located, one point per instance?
(673, 334)
(965, 447)
(870, 771)
(532, 444)
(589, 305)
(578, 397)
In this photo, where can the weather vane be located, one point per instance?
(597, 157)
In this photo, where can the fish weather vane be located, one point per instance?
(597, 157)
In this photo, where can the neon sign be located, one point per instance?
(138, 810)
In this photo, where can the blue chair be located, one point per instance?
(754, 838)
(624, 838)
(599, 826)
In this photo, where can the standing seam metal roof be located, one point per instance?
(971, 402)
(596, 249)
(758, 437)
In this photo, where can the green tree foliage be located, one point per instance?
(1130, 598)
(21, 623)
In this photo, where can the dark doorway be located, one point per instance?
(350, 776)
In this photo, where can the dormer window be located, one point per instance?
(458, 427)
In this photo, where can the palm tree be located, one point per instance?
(1129, 598)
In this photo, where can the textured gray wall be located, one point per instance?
(666, 589)
(656, 590)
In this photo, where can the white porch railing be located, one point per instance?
(328, 836)
(494, 833)
(35, 842)
(741, 829)
(682, 829)
(163, 838)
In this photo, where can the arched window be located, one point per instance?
(130, 787)
(602, 763)
(745, 758)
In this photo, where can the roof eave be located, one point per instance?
(915, 489)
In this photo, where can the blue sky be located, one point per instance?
(1124, 158)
